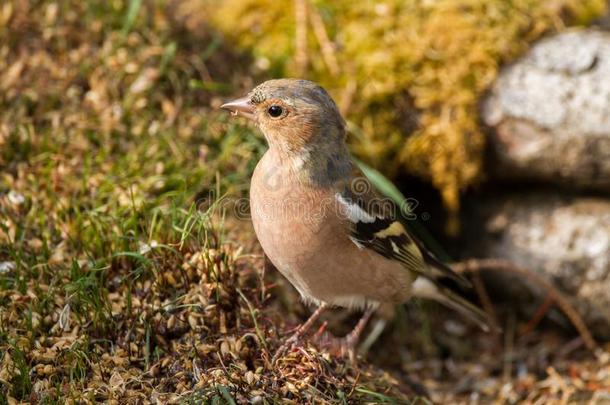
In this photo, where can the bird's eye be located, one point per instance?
(275, 111)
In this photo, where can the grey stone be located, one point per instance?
(550, 113)
(564, 239)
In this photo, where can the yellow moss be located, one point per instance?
(438, 56)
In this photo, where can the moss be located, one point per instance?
(436, 56)
(115, 287)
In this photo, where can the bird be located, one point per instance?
(322, 224)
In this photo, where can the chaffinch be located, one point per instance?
(321, 223)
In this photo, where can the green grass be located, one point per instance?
(112, 165)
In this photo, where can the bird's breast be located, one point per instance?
(288, 216)
(293, 222)
(306, 239)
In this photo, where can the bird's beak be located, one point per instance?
(241, 106)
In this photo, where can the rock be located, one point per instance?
(603, 22)
(550, 113)
(564, 239)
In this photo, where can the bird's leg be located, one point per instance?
(347, 345)
(352, 338)
(354, 335)
(301, 330)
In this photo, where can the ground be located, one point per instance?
(128, 273)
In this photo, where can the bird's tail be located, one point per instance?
(426, 288)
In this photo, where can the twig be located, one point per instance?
(347, 96)
(541, 311)
(569, 347)
(509, 346)
(300, 15)
(475, 265)
(259, 333)
(354, 385)
(479, 286)
(328, 50)
(566, 390)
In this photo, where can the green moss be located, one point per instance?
(434, 57)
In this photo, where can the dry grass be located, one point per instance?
(167, 325)
(121, 280)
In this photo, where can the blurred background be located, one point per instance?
(125, 278)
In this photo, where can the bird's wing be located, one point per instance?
(375, 224)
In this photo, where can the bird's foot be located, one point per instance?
(296, 337)
(337, 346)
(346, 346)
(293, 341)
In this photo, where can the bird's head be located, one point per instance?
(293, 114)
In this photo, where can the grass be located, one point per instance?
(124, 276)
(122, 282)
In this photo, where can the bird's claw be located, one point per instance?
(341, 347)
(291, 342)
